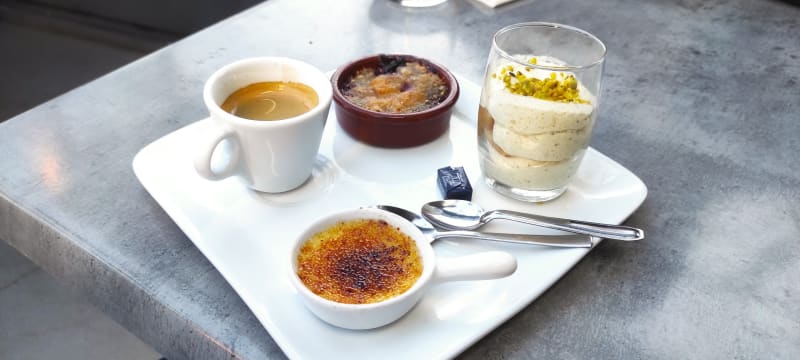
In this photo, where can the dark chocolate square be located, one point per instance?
(453, 183)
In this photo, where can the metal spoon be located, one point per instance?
(432, 234)
(466, 215)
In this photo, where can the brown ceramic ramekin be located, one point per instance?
(392, 130)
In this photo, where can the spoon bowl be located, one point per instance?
(454, 215)
(467, 215)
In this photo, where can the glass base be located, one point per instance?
(522, 194)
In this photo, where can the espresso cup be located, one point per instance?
(269, 156)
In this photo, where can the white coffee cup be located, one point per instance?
(269, 156)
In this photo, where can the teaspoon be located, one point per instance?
(430, 232)
(466, 215)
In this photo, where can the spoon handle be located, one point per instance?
(606, 231)
(572, 241)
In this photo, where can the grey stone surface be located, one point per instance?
(40, 318)
(700, 100)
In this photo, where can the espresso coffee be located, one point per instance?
(272, 100)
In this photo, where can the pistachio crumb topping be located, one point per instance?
(551, 88)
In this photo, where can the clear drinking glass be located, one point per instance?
(537, 108)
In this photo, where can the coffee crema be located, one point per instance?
(359, 262)
(271, 100)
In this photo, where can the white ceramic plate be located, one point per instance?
(246, 235)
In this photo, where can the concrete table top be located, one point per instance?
(701, 99)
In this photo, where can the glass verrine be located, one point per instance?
(537, 108)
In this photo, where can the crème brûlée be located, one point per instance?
(534, 123)
(359, 262)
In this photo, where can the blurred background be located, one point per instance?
(51, 46)
(48, 47)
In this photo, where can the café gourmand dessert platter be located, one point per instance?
(274, 247)
(247, 234)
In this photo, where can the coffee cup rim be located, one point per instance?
(321, 86)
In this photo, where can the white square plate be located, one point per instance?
(246, 235)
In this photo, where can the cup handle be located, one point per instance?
(202, 160)
(481, 266)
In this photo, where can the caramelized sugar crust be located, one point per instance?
(359, 262)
